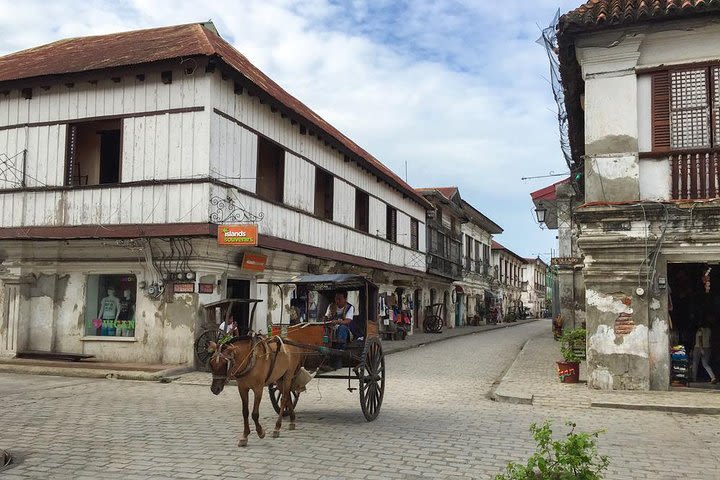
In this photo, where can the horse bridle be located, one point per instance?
(250, 363)
(230, 363)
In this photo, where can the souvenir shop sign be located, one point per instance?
(238, 235)
(254, 262)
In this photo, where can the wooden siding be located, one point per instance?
(259, 117)
(403, 229)
(45, 155)
(233, 153)
(377, 217)
(344, 203)
(105, 97)
(166, 146)
(295, 226)
(180, 203)
(161, 147)
(299, 183)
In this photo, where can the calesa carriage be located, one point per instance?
(307, 328)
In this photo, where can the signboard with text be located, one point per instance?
(254, 262)
(238, 235)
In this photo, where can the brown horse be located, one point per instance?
(254, 362)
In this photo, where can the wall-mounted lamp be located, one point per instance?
(540, 212)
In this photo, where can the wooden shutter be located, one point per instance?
(660, 105)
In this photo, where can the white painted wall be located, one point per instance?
(343, 202)
(655, 179)
(610, 107)
(299, 182)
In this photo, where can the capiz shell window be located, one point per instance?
(110, 305)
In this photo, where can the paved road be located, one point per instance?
(436, 422)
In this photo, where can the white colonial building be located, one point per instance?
(121, 154)
(534, 291)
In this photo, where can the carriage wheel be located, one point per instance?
(371, 373)
(433, 324)
(274, 394)
(203, 342)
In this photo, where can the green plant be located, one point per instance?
(572, 342)
(574, 458)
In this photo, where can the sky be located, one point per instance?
(456, 92)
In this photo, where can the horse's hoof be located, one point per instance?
(291, 426)
(242, 442)
(261, 434)
(276, 434)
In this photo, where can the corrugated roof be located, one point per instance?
(84, 54)
(607, 13)
(446, 192)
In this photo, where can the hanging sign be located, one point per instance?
(238, 235)
(254, 261)
(184, 287)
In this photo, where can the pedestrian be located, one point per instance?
(701, 350)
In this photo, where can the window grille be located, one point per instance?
(689, 109)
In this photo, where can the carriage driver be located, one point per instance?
(341, 315)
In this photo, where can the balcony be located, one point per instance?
(695, 175)
(444, 266)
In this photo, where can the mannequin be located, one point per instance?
(109, 311)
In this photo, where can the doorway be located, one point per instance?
(694, 313)
(237, 288)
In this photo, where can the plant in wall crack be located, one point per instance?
(574, 458)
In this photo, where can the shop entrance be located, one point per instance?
(694, 312)
(240, 311)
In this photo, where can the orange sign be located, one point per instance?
(254, 261)
(238, 235)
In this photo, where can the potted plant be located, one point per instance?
(572, 348)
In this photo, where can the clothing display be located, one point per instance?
(679, 366)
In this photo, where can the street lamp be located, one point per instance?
(540, 212)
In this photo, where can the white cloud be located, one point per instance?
(455, 88)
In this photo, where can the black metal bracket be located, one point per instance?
(231, 209)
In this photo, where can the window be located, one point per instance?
(391, 224)
(477, 256)
(468, 252)
(362, 211)
(414, 234)
(686, 109)
(324, 183)
(93, 153)
(439, 215)
(110, 305)
(270, 170)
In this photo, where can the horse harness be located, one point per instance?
(250, 359)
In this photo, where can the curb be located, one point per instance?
(659, 408)
(463, 334)
(95, 373)
(512, 399)
(171, 374)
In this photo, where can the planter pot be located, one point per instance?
(568, 372)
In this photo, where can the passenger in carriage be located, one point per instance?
(341, 314)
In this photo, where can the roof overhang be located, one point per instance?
(547, 198)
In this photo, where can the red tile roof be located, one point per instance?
(498, 246)
(84, 54)
(547, 193)
(608, 13)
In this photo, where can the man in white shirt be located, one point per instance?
(701, 351)
(341, 314)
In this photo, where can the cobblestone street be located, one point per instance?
(436, 421)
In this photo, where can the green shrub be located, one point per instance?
(574, 458)
(572, 344)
